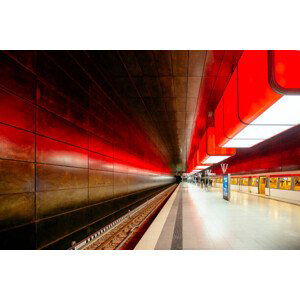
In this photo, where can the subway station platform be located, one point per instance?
(195, 219)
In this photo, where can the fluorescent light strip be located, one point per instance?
(233, 143)
(282, 115)
(285, 111)
(214, 159)
(201, 167)
(260, 132)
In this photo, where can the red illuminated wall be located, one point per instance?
(71, 160)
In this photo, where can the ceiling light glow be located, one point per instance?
(279, 117)
(215, 159)
(201, 167)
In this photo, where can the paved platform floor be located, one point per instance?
(198, 219)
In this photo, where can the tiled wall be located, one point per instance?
(69, 156)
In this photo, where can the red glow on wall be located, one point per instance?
(67, 133)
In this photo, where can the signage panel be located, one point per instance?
(226, 187)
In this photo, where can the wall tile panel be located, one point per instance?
(16, 144)
(55, 127)
(70, 153)
(16, 209)
(51, 203)
(99, 178)
(101, 146)
(100, 193)
(16, 79)
(16, 111)
(16, 177)
(101, 162)
(50, 177)
(51, 229)
(53, 152)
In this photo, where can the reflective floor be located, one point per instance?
(201, 219)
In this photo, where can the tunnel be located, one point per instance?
(149, 150)
(90, 137)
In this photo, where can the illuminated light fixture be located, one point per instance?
(201, 167)
(251, 109)
(215, 159)
(241, 143)
(209, 152)
(285, 113)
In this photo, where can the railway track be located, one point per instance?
(126, 233)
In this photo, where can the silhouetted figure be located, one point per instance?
(178, 179)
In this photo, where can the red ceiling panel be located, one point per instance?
(217, 71)
(285, 70)
(254, 92)
(208, 147)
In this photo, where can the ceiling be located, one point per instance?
(171, 93)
